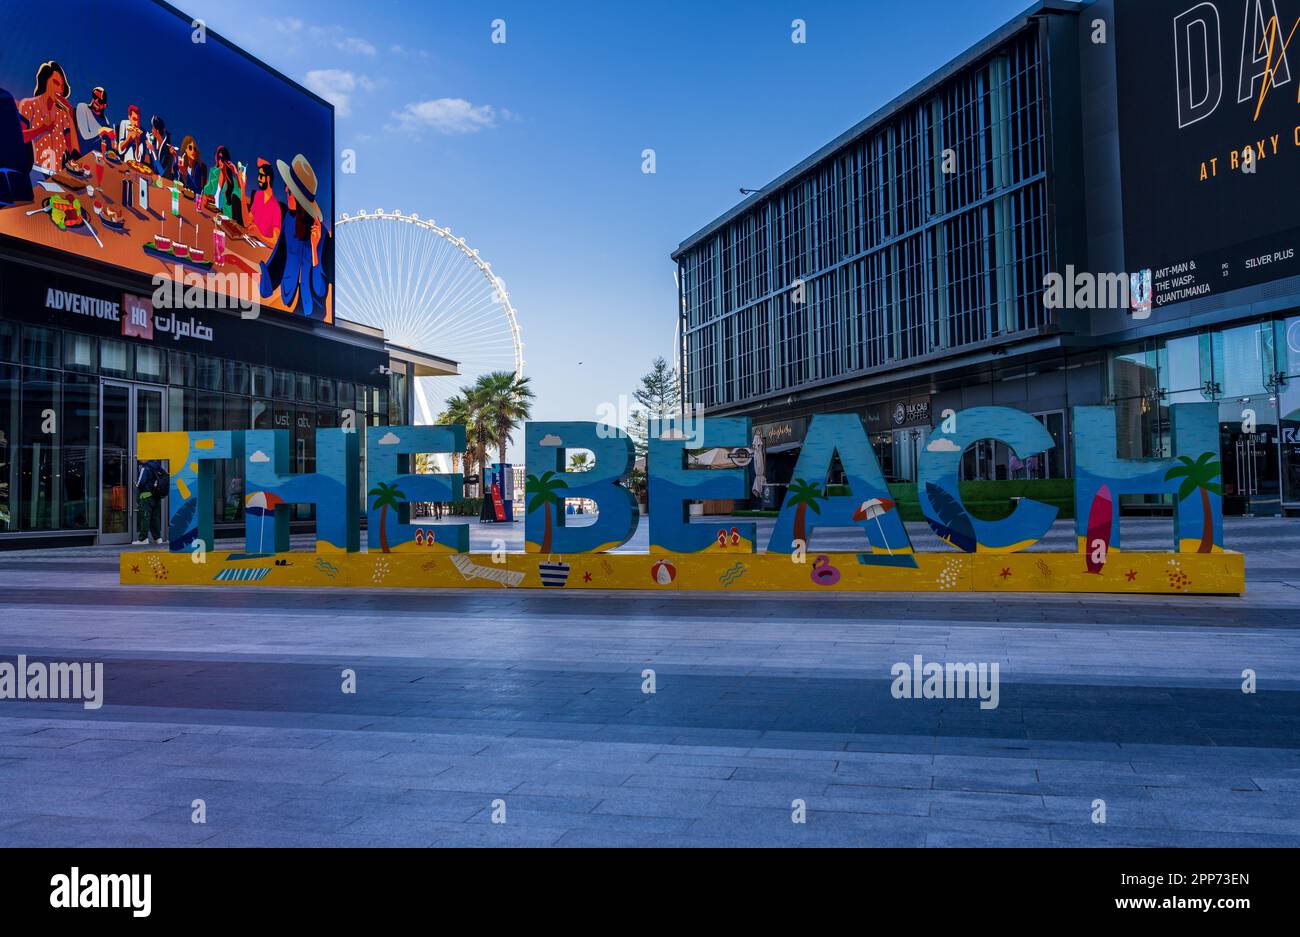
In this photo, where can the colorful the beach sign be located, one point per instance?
(977, 554)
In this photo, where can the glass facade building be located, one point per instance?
(75, 389)
(901, 270)
(925, 234)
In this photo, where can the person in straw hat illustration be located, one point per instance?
(301, 266)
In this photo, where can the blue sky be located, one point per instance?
(531, 149)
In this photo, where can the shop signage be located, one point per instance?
(912, 411)
(140, 319)
(787, 431)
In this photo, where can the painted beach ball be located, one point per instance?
(663, 573)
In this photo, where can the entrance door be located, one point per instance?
(1251, 478)
(127, 409)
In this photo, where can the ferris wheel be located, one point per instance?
(430, 291)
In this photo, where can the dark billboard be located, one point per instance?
(1209, 142)
(133, 136)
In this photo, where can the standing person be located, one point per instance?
(49, 119)
(151, 487)
(93, 127)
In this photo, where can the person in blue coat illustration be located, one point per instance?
(301, 265)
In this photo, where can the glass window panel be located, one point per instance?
(1289, 347)
(261, 382)
(238, 379)
(40, 444)
(8, 341)
(80, 352)
(348, 392)
(326, 391)
(209, 375)
(180, 366)
(150, 364)
(79, 452)
(40, 347)
(282, 385)
(1182, 366)
(306, 388)
(209, 413)
(9, 441)
(180, 409)
(260, 415)
(1133, 373)
(1243, 360)
(115, 358)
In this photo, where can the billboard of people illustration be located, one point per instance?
(192, 162)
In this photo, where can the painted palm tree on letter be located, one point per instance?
(805, 495)
(386, 496)
(545, 493)
(1199, 474)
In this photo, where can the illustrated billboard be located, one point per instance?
(1209, 143)
(139, 139)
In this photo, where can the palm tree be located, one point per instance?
(386, 496)
(1200, 474)
(544, 494)
(581, 462)
(466, 409)
(804, 494)
(508, 401)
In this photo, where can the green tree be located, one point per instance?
(545, 492)
(1201, 475)
(804, 495)
(386, 496)
(468, 408)
(507, 400)
(657, 398)
(581, 462)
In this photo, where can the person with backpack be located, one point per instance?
(151, 487)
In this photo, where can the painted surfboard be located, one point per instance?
(1099, 527)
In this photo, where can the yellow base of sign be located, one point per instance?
(1125, 573)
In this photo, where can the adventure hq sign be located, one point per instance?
(560, 553)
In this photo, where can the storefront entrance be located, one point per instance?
(126, 409)
(1251, 476)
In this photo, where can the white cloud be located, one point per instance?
(942, 444)
(451, 116)
(389, 439)
(550, 439)
(259, 456)
(355, 45)
(289, 25)
(338, 87)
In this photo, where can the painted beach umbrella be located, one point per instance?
(260, 504)
(871, 509)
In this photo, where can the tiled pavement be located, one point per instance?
(465, 698)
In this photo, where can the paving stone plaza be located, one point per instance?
(530, 708)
